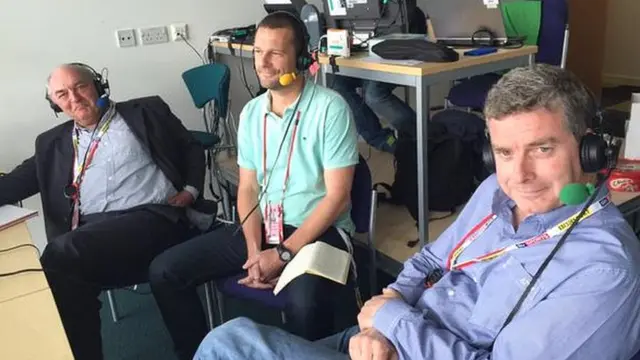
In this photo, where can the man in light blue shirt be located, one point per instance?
(297, 154)
(452, 300)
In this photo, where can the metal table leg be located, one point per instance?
(422, 113)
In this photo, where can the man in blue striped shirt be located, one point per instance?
(452, 300)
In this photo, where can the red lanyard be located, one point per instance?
(80, 168)
(73, 190)
(477, 230)
(264, 151)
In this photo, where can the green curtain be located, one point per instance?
(522, 18)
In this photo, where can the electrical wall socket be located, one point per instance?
(177, 29)
(154, 35)
(125, 38)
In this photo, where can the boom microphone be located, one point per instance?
(287, 79)
(576, 193)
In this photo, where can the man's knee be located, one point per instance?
(225, 339)
(163, 271)
(60, 252)
(309, 291)
(376, 91)
(342, 84)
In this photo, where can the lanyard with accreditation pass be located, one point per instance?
(476, 231)
(274, 213)
(72, 191)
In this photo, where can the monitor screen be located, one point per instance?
(369, 16)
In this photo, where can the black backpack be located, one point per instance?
(455, 164)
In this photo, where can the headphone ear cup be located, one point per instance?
(52, 105)
(487, 156)
(593, 156)
(304, 61)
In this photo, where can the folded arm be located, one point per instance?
(590, 317)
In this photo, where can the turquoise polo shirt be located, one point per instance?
(326, 139)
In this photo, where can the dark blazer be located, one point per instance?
(177, 153)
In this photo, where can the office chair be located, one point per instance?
(208, 86)
(553, 39)
(363, 207)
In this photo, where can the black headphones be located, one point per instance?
(595, 153)
(483, 37)
(303, 57)
(99, 82)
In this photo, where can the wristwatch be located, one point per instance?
(285, 254)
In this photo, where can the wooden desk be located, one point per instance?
(30, 327)
(420, 76)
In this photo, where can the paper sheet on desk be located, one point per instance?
(10, 215)
(392, 62)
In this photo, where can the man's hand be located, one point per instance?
(268, 263)
(371, 344)
(252, 279)
(371, 307)
(181, 199)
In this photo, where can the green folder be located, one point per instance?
(522, 18)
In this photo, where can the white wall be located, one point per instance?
(39, 34)
(621, 52)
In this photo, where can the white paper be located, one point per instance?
(632, 146)
(10, 214)
(336, 9)
(491, 4)
(320, 259)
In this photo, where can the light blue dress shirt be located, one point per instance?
(326, 139)
(584, 306)
(122, 174)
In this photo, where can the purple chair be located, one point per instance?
(552, 47)
(363, 205)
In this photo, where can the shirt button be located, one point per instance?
(110, 178)
(109, 159)
(451, 292)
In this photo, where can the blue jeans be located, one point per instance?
(242, 338)
(377, 99)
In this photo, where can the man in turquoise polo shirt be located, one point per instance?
(297, 154)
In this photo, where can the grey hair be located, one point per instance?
(547, 87)
(85, 73)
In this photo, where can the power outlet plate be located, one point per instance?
(125, 38)
(154, 35)
(177, 29)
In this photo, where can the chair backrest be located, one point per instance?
(361, 196)
(555, 17)
(209, 82)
